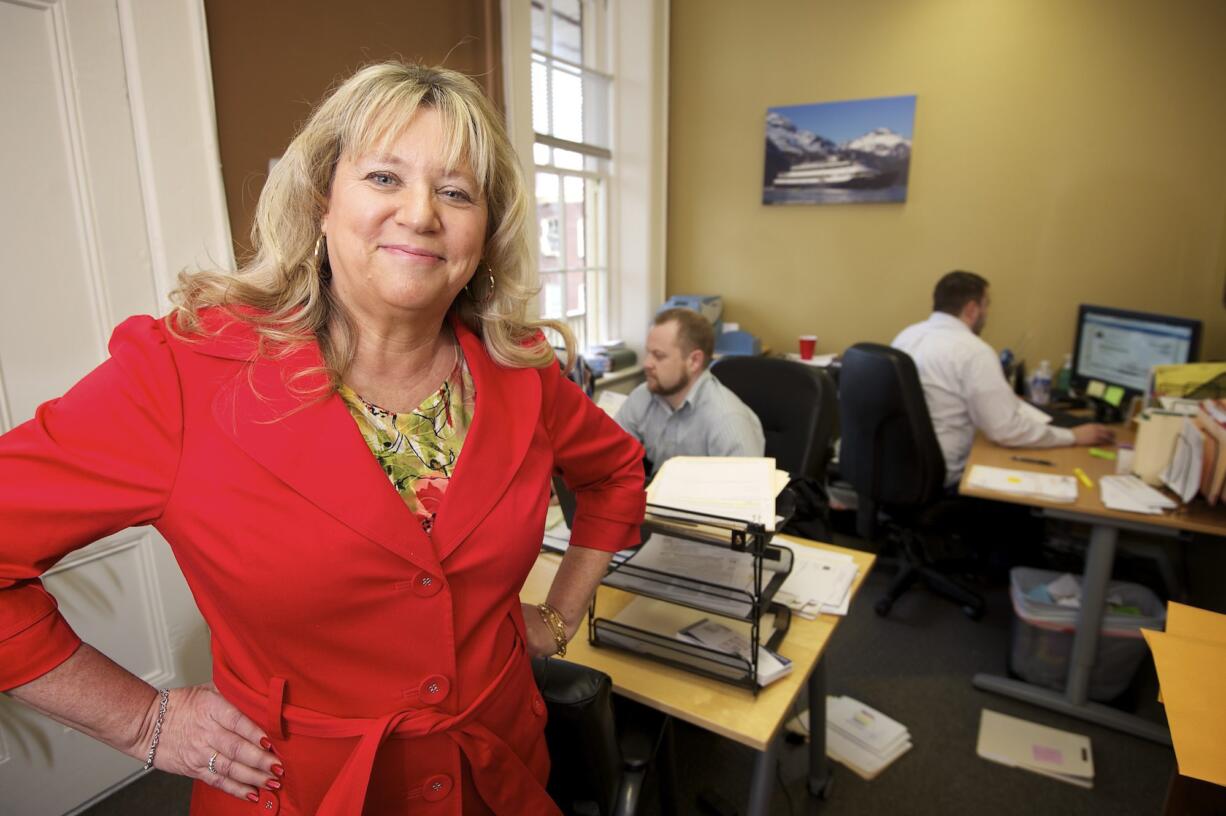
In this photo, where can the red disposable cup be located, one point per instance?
(808, 342)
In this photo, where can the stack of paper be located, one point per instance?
(1046, 486)
(1191, 660)
(691, 626)
(733, 487)
(610, 401)
(1033, 747)
(1183, 474)
(862, 738)
(676, 563)
(1131, 495)
(820, 582)
(717, 636)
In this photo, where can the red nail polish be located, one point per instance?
(266, 743)
(272, 784)
(253, 796)
(278, 770)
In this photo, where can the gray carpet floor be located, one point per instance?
(915, 666)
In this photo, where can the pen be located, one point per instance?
(1081, 474)
(1030, 460)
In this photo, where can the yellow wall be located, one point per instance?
(1067, 150)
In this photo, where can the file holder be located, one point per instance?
(713, 598)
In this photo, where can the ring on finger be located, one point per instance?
(213, 762)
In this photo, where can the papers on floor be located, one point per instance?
(677, 564)
(1047, 486)
(1190, 657)
(691, 626)
(1131, 495)
(1048, 751)
(862, 738)
(733, 487)
(820, 581)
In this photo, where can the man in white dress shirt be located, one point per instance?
(964, 385)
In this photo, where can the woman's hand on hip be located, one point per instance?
(199, 723)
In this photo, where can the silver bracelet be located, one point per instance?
(157, 729)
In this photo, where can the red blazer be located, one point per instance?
(387, 666)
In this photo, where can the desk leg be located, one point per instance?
(762, 782)
(1075, 700)
(819, 764)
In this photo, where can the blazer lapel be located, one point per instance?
(504, 421)
(315, 448)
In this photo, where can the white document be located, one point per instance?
(1183, 474)
(1049, 751)
(864, 763)
(680, 562)
(1131, 495)
(820, 582)
(1047, 486)
(610, 401)
(717, 636)
(736, 487)
(864, 725)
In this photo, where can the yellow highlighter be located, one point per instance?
(1081, 475)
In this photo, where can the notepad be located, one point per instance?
(1046, 486)
(1022, 744)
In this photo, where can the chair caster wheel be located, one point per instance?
(882, 607)
(973, 612)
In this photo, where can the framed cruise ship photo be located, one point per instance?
(853, 152)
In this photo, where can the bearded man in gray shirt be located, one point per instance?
(682, 410)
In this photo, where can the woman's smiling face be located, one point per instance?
(405, 232)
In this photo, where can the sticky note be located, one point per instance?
(1095, 388)
(1113, 396)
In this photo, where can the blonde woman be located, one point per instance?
(348, 445)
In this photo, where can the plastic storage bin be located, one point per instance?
(1043, 635)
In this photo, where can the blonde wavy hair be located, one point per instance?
(282, 291)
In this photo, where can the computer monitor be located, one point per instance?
(1119, 347)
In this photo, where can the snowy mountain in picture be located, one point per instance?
(881, 142)
(839, 152)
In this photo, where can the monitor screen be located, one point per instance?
(1119, 347)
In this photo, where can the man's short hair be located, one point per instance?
(693, 331)
(956, 289)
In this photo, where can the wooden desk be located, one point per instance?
(723, 709)
(1196, 517)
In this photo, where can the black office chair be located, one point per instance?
(890, 455)
(594, 772)
(796, 404)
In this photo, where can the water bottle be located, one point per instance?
(1064, 376)
(1040, 384)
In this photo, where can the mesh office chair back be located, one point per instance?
(796, 404)
(889, 451)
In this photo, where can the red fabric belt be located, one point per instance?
(501, 777)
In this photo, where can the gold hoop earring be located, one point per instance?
(489, 294)
(322, 267)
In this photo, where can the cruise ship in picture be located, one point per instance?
(834, 172)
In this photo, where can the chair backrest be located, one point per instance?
(586, 762)
(796, 404)
(888, 450)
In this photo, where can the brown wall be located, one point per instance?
(1068, 150)
(273, 61)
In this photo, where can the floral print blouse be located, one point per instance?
(418, 450)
